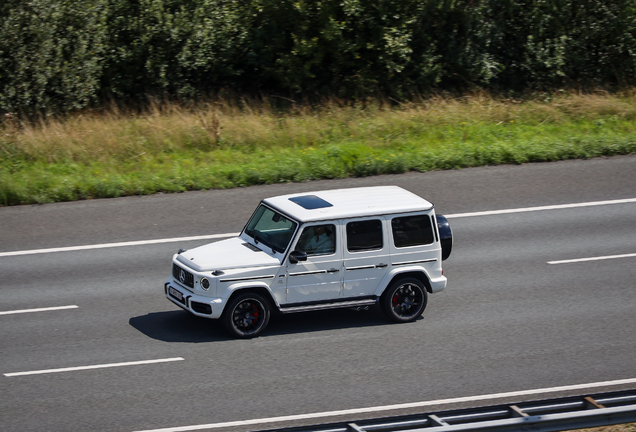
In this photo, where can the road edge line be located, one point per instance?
(392, 407)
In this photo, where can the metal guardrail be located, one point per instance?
(548, 415)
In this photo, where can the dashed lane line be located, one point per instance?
(113, 245)
(218, 236)
(46, 309)
(543, 208)
(100, 366)
(578, 260)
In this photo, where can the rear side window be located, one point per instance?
(412, 231)
(364, 235)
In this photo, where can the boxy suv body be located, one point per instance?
(318, 250)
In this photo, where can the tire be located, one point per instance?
(404, 300)
(246, 316)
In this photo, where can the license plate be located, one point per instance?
(176, 294)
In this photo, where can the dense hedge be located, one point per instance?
(61, 55)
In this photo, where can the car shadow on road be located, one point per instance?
(181, 326)
(178, 326)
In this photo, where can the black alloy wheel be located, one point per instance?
(247, 315)
(404, 300)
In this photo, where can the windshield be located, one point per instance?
(271, 229)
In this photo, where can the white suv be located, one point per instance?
(319, 250)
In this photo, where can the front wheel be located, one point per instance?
(247, 315)
(404, 300)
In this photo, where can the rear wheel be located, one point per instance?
(247, 315)
(404, 300)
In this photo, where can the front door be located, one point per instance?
(320, 277)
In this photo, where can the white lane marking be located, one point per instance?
(577, 260)
(217, 236)
(393, 407)
(78, 368)
(112, 245)
(38, 310)
(543, 208)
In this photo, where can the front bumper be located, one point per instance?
(195, 304)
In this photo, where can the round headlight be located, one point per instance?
(205, 284)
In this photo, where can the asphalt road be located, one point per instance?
(508, 321)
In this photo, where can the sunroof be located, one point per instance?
(311, 202)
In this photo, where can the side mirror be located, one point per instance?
(297, 256)
(445, 236)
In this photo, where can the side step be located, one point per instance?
(323, 306)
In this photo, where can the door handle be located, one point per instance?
(333, 270)
(382, 265)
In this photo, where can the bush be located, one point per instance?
(64, 55)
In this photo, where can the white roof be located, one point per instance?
(348, 203)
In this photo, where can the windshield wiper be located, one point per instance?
(258, 238)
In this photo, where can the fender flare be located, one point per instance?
(413, 271)
(259, 287)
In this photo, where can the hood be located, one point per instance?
(226, 254)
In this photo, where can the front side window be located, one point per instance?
(364, 235)
(412, 231)
(318, 240)
(271, 229)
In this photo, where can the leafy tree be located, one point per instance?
(51, 54)
(62, 55)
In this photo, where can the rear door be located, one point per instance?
(366, 255)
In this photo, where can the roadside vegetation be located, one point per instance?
(220, 144)
(340, 81)
(64, 55)
(628, 427)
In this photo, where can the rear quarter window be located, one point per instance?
(412, 231)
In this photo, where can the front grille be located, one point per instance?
(188, 278)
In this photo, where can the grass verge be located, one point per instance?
(172, 148)
(628, 427)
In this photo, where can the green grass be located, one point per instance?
(219, 145)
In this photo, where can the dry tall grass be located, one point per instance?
(243, 127)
